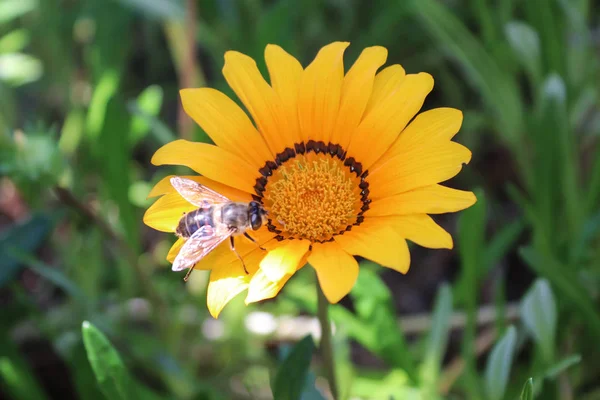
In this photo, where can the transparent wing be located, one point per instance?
(202, 242)
(197, 194)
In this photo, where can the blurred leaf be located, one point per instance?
(161, 132)
(19, 382)
(565, 286)
(436, 342)
(292, 373)
(14, 41)
(562, 365)
(110, 371)
(147, 104)
(502, 242)
(525, 42)
(114, 142)
(527, 393)
(538, 313)
(18, 69)
(471, 239)
(158, 9)
(379, 330)
(53, 275)
(105, 89)
(498, 89)
(386, 385)
(11, 9)
(71, 132)
(25, 238)
(499, 365)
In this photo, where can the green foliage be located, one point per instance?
(527, 393)
(106, 363)
(292, 373)
(89, 90)
(499, 365)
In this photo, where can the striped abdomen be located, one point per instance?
(194, 220)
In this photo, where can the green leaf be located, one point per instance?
(18, 381)
(498, 89)
(14, 41)
(525, 42)
(158, 9)
(499, 365)
(502, 242)
(292, 373)
(538, 313)
(471, 238)
(108, 367)
(562, 365)
(527, 392)
(148, 104)
(18, 69)
(11, 9)
(23, 238)
(436, 341)
(114, 141)
(378, 329)
(54, 275)
(565, 286)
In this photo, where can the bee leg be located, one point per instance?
(232, 247)
(187, 275)
(254, 241)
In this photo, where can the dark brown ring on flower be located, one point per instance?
(332, 149)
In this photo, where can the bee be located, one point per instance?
(216, 219)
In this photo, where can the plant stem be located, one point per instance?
(326, 344)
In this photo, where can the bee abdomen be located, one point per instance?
(194, 220)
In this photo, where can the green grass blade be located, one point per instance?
(499, 365)
(436, 342)
(18, 381)
(527, 392)
(108, 367)
(539, 315)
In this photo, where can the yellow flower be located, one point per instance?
(336, 159)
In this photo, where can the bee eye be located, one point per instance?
(255, 221)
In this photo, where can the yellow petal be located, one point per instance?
(377, 242)
(357, 83)
(248, 250)
(336, 269)
(285, 73)
(420, 229)
(418, 167)
(380, 128)
(174, 250)
(385, 83)
(320, 91)
(225, 283)
(165, 213)
(260, 99)
(226, 124)
(428, 129)
(284, 259)
(164, 186)
(208, 160)
(434, 199)
(262, 288)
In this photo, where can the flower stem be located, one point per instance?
(326, 344)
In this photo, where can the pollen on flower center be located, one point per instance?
(312, 192)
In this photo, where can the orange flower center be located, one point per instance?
(312, 192)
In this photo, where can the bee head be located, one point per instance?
(257, 215)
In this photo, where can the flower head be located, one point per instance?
(339, 161)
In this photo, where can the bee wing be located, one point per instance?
(202, 242)
(197, 194)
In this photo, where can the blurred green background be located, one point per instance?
(89, 90)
